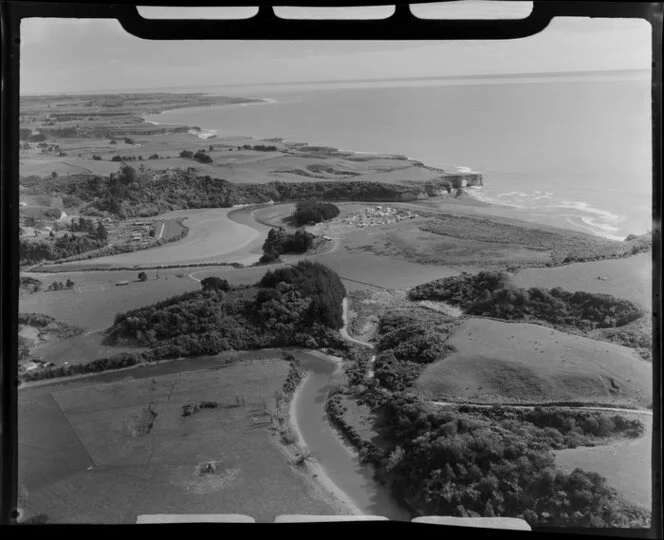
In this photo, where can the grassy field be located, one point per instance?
(627, 465)
(149, 463)
(79, 350)
(95, 298)
(172, 228)
(629, 278)
(515, 362)
(407, 242)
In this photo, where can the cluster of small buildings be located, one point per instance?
(139, 231)
(379, 215)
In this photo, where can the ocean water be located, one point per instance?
(571, 151)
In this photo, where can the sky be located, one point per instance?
(79, 55)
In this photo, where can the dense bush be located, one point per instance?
(214, 283)
(118, 361)
(278, 242)
(301, 308)
(307, 212)
(31, 252)
(407, 343)
(359, 358)
(491, 294)
(180, 189)
(317, 282)
(450, 463)
(293, 379)
(202, 157)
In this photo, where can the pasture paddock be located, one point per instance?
(501, 362)
(84, 434)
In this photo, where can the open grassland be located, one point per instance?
(627, 465)
(351, 260)
(498, 362)
(428, 247)
(79, 349)
(130, 436)
(454, 231)
(96, 297)
(417, 240)
(46, 165)
(629, 278)
(172, 229)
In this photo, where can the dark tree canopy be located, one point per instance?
(214, 283)
(307, 212)
(279, 241)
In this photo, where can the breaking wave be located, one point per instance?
(580, 214)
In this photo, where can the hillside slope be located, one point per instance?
(517, 362)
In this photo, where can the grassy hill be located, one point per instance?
(629, 278)
(517, 362)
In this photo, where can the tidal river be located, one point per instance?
(339, 461)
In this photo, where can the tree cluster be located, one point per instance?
(125, 158)
(407, 344)
(214, 283)
(302, 308)
(83, 225)
(279, 241)
(258, 147)
(30, 284)
(59, 286)
(311, 212)
(318, 282)
(491, 294)
(202, 157)
(62, 247)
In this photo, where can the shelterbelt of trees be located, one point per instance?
(300, 305)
